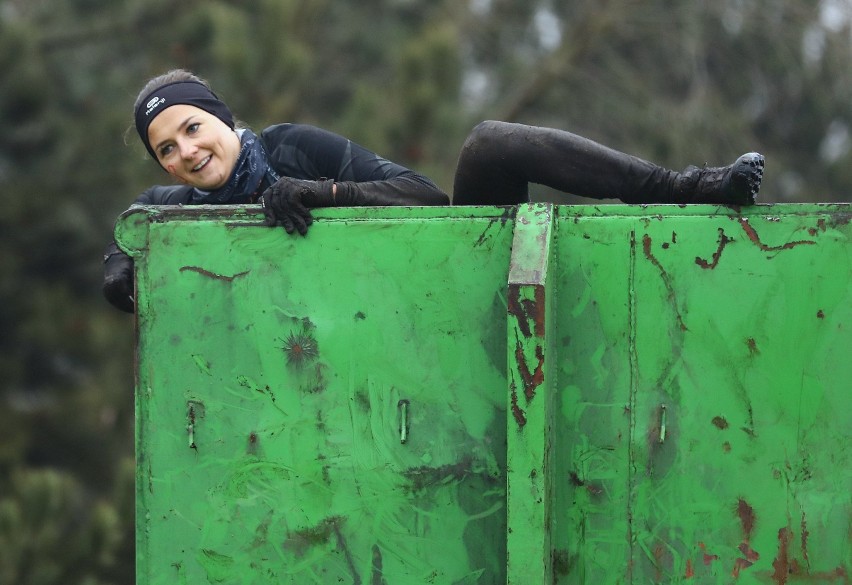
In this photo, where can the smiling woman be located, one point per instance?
(293, 168)
(195, 147)
(289, 168)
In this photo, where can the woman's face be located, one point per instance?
(194, 146)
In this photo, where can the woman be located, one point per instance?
(291, 168)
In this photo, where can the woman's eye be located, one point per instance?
(192, 128)
(164, 152)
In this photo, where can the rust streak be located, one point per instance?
(707, 557)
(750, 554)
(531, 379)
(646, 248)
(820, 227)
(526, 310)
(516, 309)
(207, 273)
(747, 518)
(752, 235)
(659, 557)
(781, 564)
(717, 255)
(805, 535)
(520, 416)
(739, 565)
(538, 311)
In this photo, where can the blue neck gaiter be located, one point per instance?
(251, 169)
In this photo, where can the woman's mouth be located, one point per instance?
(202, 164)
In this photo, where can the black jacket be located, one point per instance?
(301, 152)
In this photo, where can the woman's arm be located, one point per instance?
(361, 177)
(118, 266)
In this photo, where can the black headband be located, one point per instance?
(191, 93)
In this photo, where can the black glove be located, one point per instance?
(286, 202)
(118, 278)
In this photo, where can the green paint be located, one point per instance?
(301, 351)
(723, 399)
(545, 394)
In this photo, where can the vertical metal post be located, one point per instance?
(528, 434)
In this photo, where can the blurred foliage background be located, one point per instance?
(674, 81)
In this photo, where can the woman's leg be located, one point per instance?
(500, 159)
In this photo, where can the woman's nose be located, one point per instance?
(187, 148)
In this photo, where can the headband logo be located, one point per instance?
(153, 103)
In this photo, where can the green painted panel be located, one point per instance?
(618, 394)
(322, 409)
(704, 392)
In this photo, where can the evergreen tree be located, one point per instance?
(676, 82)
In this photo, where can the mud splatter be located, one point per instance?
(593, 489)
(752, 346)
(485, 235)
(427, 476)
(720, 423)
(299, 541)
(561, 563)
(377, 574)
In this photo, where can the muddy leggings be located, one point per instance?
(500, 159)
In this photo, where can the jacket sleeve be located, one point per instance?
(410, 189)
(364, 178)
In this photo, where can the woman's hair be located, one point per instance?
(169, 77)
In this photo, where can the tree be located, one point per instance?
(675, 82)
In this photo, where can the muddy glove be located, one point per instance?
(287, 202)
(118, 278)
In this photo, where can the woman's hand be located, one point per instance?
(118, 279)
(287, 202)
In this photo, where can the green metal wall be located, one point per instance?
(615, 394)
